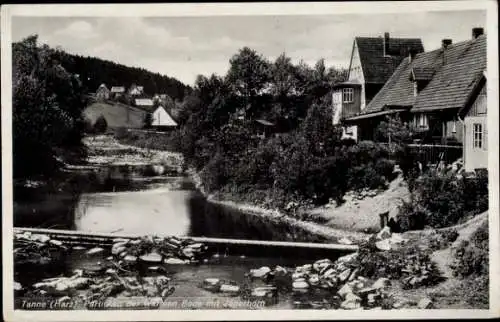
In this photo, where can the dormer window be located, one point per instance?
(347, 95)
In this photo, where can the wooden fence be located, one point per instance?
(434, 153)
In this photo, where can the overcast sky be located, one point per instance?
(184, 47)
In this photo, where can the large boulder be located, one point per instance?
(384, 233)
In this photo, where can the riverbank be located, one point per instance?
(273, 215)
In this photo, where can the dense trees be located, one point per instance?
(307, 161)
(95, 71)
(46, 109)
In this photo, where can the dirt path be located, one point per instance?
(359, 215)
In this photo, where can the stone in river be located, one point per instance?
(196, 245)
(384, 233)
(351, 302)
(152, 257)
(347, 258)
(314, 280)
(260, 272)
(188, 252)
(345, 275)
(175, 261)
(228, 288)
(118, 248)
(300, 284)
(95, 250)
(40, 238)
(56, 242)
(383, 244)
(130, 258)
(344, 290)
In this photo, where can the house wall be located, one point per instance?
(475, 158)
(353, 108)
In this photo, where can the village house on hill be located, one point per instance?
(162, 120)
(427, 90)
(102, 93)
(135, 90)
(373, 61)
(144, 103)
(117, 91)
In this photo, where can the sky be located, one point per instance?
(183, 47)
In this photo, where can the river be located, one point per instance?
(144, 199)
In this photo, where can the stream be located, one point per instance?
(148, 199)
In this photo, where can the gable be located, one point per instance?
(377, 68)
(162, 118)
(355, 68)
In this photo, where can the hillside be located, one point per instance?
(94, 71)
(115, 115)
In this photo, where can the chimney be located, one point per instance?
(411, 54)
(476, 32)
(386, 44)
(445, 43)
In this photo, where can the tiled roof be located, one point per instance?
(377, 68)
(144, 102)
(457, 71)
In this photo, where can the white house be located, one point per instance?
(161, 118)
(475, 133)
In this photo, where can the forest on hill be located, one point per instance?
(94, 71)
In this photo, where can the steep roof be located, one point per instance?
(377, 68)
(455, 73)
(162, 119)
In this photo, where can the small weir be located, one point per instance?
(261, 248)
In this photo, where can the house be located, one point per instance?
(475, 135)
(135, 90)
(263, 128)
(117, 91)
(102, 93)
(373, 61)
(162, 119)
(144, 103)
(427, 90)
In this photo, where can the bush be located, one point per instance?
(441, 200)
(472, 257)
(101, 125)
(410, 265)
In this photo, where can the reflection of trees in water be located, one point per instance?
(213, 220)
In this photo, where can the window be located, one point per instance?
(454, 127)
(415, 88)
(421, 121)
(478, 135)
(347, 95)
